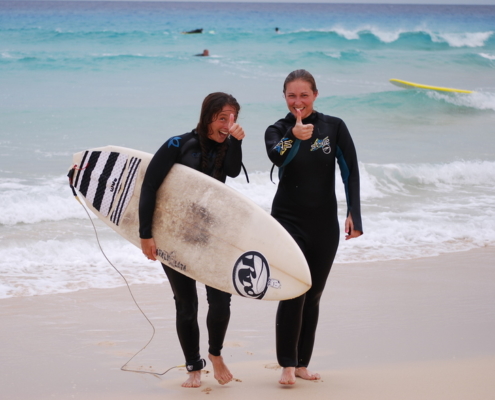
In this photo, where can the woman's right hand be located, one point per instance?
(301, 131)
(149, 248)
(235, 129)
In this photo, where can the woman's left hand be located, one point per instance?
(235, 129)
(349, 229)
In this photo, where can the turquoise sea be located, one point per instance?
(76, 75)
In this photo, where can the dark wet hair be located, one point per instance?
(303, 75)
(211, 107)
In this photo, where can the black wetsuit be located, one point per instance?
(185, 149)
(305, 204)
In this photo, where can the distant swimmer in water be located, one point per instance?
(205, 53)
(276, 29)
(194, 31)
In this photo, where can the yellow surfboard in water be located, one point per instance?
(411, 85)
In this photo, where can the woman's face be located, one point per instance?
(300, 96)
(218, 130)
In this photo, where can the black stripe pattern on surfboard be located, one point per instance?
(129, 185)
(99, 180)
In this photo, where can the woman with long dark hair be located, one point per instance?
(213, 148)
(305, 146)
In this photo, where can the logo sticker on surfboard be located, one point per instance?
(251, 275)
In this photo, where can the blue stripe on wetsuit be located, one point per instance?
(344, 172)
(292, 153)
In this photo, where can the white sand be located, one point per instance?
(417, 329)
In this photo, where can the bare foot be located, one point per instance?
(288, 376)
(194, 380)
(220, 370)
(304, 373)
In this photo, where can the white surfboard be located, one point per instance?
(202, 227)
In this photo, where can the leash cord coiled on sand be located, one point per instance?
(123, 368)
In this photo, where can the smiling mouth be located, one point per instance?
(223, 135)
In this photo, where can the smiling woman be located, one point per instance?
(300, 93)
(213, 148)
(305, 145)
(224, 125)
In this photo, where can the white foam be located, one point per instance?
(478, 100)
(50, 154)
(394, 177)
(7, 55)
(461, 39)
(46, 200)
(386, 36)
(61, 266)
(409, 210)
(416, 233)
(464, 39)
(490, 57)
(346, 33)
(51, 199)
(427, 209)
(260, 189)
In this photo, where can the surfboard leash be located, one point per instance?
(123, 368)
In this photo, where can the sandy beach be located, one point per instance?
(77, 75)
(411, 329)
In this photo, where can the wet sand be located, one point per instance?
(410, 329)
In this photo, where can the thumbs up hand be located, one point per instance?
(235, 129)
(301, 131)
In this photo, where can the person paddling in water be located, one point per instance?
(213, 148)
(205, 53)
(305, 145)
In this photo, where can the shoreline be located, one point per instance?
(387, 330)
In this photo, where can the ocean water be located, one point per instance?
(77, 75)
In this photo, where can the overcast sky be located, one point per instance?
(472, 2)
(486, 2)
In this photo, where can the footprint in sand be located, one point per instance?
(106, 344)
(233, 344)
(273, 366)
